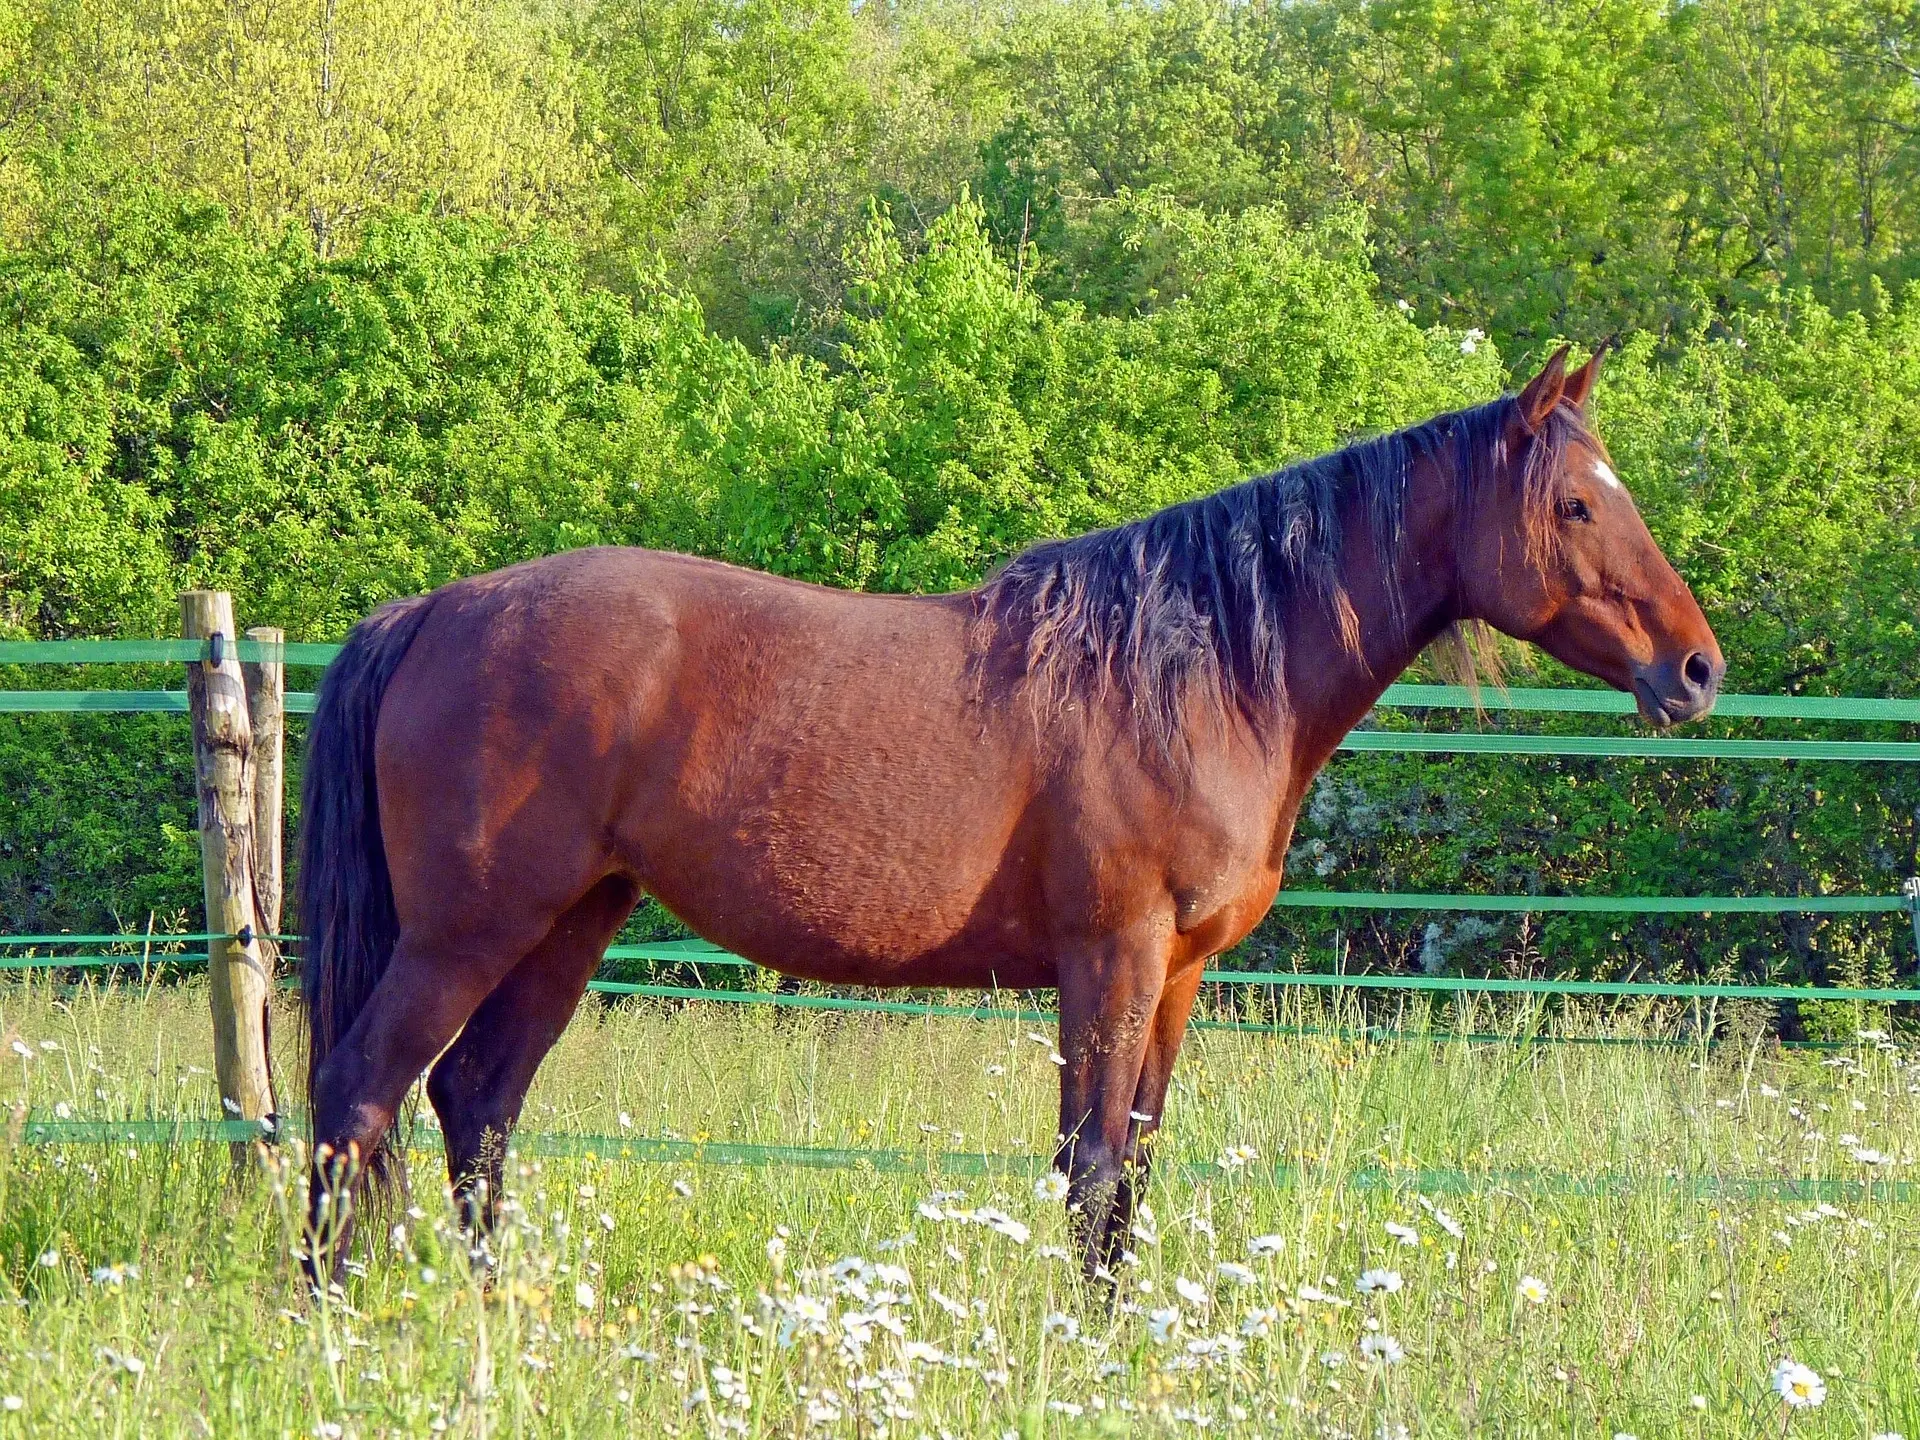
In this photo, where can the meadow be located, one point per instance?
(1348, 1237)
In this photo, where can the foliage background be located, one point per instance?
(326, 303)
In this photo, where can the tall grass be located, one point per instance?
(149, 1291)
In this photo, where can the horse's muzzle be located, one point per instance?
(1671, 692)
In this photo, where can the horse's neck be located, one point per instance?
(1330, 687)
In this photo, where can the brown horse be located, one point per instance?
(1082, 775)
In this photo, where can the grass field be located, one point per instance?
(1564, 1240)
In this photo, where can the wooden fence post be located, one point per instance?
(223, 768)
(266, 713)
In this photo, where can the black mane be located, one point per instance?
(1198, 593)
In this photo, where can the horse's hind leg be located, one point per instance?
(424, 996)
(479, 1085)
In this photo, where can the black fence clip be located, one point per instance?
(216, 649)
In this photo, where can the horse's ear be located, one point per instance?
(1543, 392)
(1580, 382)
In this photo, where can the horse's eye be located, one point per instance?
(1575, 510)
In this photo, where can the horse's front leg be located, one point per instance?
(1109, 994)
(1169, 1028)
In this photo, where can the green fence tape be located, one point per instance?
(814, 1002)
(646, 1149)
(1491, 985)
(138, 1132)
(1270, 979)
(1423, 742)
(121, 702)
(137, 938)
(149, 652)
(101, 962)
(1595, 904)
(1614, 702)
(93, 702)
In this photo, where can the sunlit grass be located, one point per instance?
(152, 1293)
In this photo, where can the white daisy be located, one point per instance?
(1050, 1186)
(1378, 1281)
(1382, 1349)
(1796, 1384)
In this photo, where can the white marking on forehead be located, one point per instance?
(1605, 472)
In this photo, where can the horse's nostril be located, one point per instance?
(1699, 671)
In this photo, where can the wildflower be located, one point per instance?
(1768, 1091)
(953, 1307)
(1403, 305)
(1191, 1291)
(1799, 1386)
(1259, 1323)
(1470, 342)
(1261, 1246)
(1372, 1281)
(1050, 1186)
(1057, 1058)
(132, 1364)
(1447, 1223)
(1209, 1347)
(328, 1430)
(1003, 1224)
(23, 1050)
(1532, 1289)
(12, 1402)
(923, 1353)
(1138, 1118)
(1698, 1402)
(1237, 1156)
(1037, 1038)
(1162, 1323)
(62, 1110)
(683, 1189)
(49, 1259)
(1061, 1324)
(776, 1250)
(1868, 1156)
(583, 1295)
(1333, 1359)
(1233, 1270)
(1405, 1234)
(1382, 1349)
(626, 1120)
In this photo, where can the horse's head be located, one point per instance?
(1555, 552)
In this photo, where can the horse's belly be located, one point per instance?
(886, 902)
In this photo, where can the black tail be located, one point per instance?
(346, 893)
